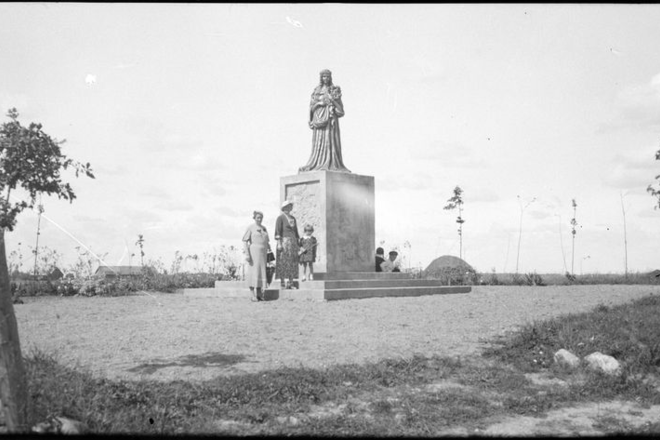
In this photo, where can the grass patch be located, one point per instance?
(417, 396)
(629, 332)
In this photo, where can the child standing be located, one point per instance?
(307, 255)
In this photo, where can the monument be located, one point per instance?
(325, 194)
(339, 205)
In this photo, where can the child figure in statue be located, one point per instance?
(307, 255)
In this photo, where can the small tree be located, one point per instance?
(140, 243)
(625, 238)
(573, 231)
(456, 201)
(654, 188)
(31, 160)
(40, 209)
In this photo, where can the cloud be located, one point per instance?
(482, 195)
(19, 101)
(114, 170)
(152, 135)
(403, 182)
(638, 107)
(213, 185)
(455, 155)
(650, 212)
(229, 212)
(202, 161)
(633, 170)
(157, 192)
(140, 216)
(175, 205)
(537, 214)
(655, 84)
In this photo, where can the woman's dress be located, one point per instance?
(286, 265)
(257, 237)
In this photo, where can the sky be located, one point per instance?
(191, 113)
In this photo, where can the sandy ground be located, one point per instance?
(170, 336)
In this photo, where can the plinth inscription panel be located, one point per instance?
(340, 206)
(306, 198)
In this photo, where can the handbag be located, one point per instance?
(270, 256)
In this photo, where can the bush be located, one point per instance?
(119, 286)
(572, 279)
(457, 275)
(490, 279)
(33, 288)
(529, 279)
(534, 279)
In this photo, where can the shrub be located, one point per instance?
(457, 275)
(33, 288)
(534, 279)
(572, 279)
(490, 279)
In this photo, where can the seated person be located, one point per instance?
(391, 265)
(380, 258)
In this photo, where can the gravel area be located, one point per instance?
(171, 336)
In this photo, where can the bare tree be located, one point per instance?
(573, 231)
(522, 210)
(625, 238)
(140, 244)
(40, 210)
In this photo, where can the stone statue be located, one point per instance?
(325, 109)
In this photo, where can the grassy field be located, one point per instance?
(419, 396)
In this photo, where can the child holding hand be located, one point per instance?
(307, 254)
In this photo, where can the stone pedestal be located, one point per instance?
(340, 206)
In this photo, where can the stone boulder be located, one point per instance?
(567, 359)
(601, 362)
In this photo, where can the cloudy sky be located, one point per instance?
(190, 114)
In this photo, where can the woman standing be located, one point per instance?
(286, 234)
(257, 244)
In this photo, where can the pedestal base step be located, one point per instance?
(333, 289)
(373, 292)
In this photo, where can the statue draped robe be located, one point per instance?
(325, 109)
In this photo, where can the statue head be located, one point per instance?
(326, 73)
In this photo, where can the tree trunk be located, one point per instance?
(13, 385)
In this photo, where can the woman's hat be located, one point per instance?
(286, 203)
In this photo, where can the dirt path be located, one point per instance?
(169, 336)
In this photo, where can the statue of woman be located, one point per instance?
(325, 109)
